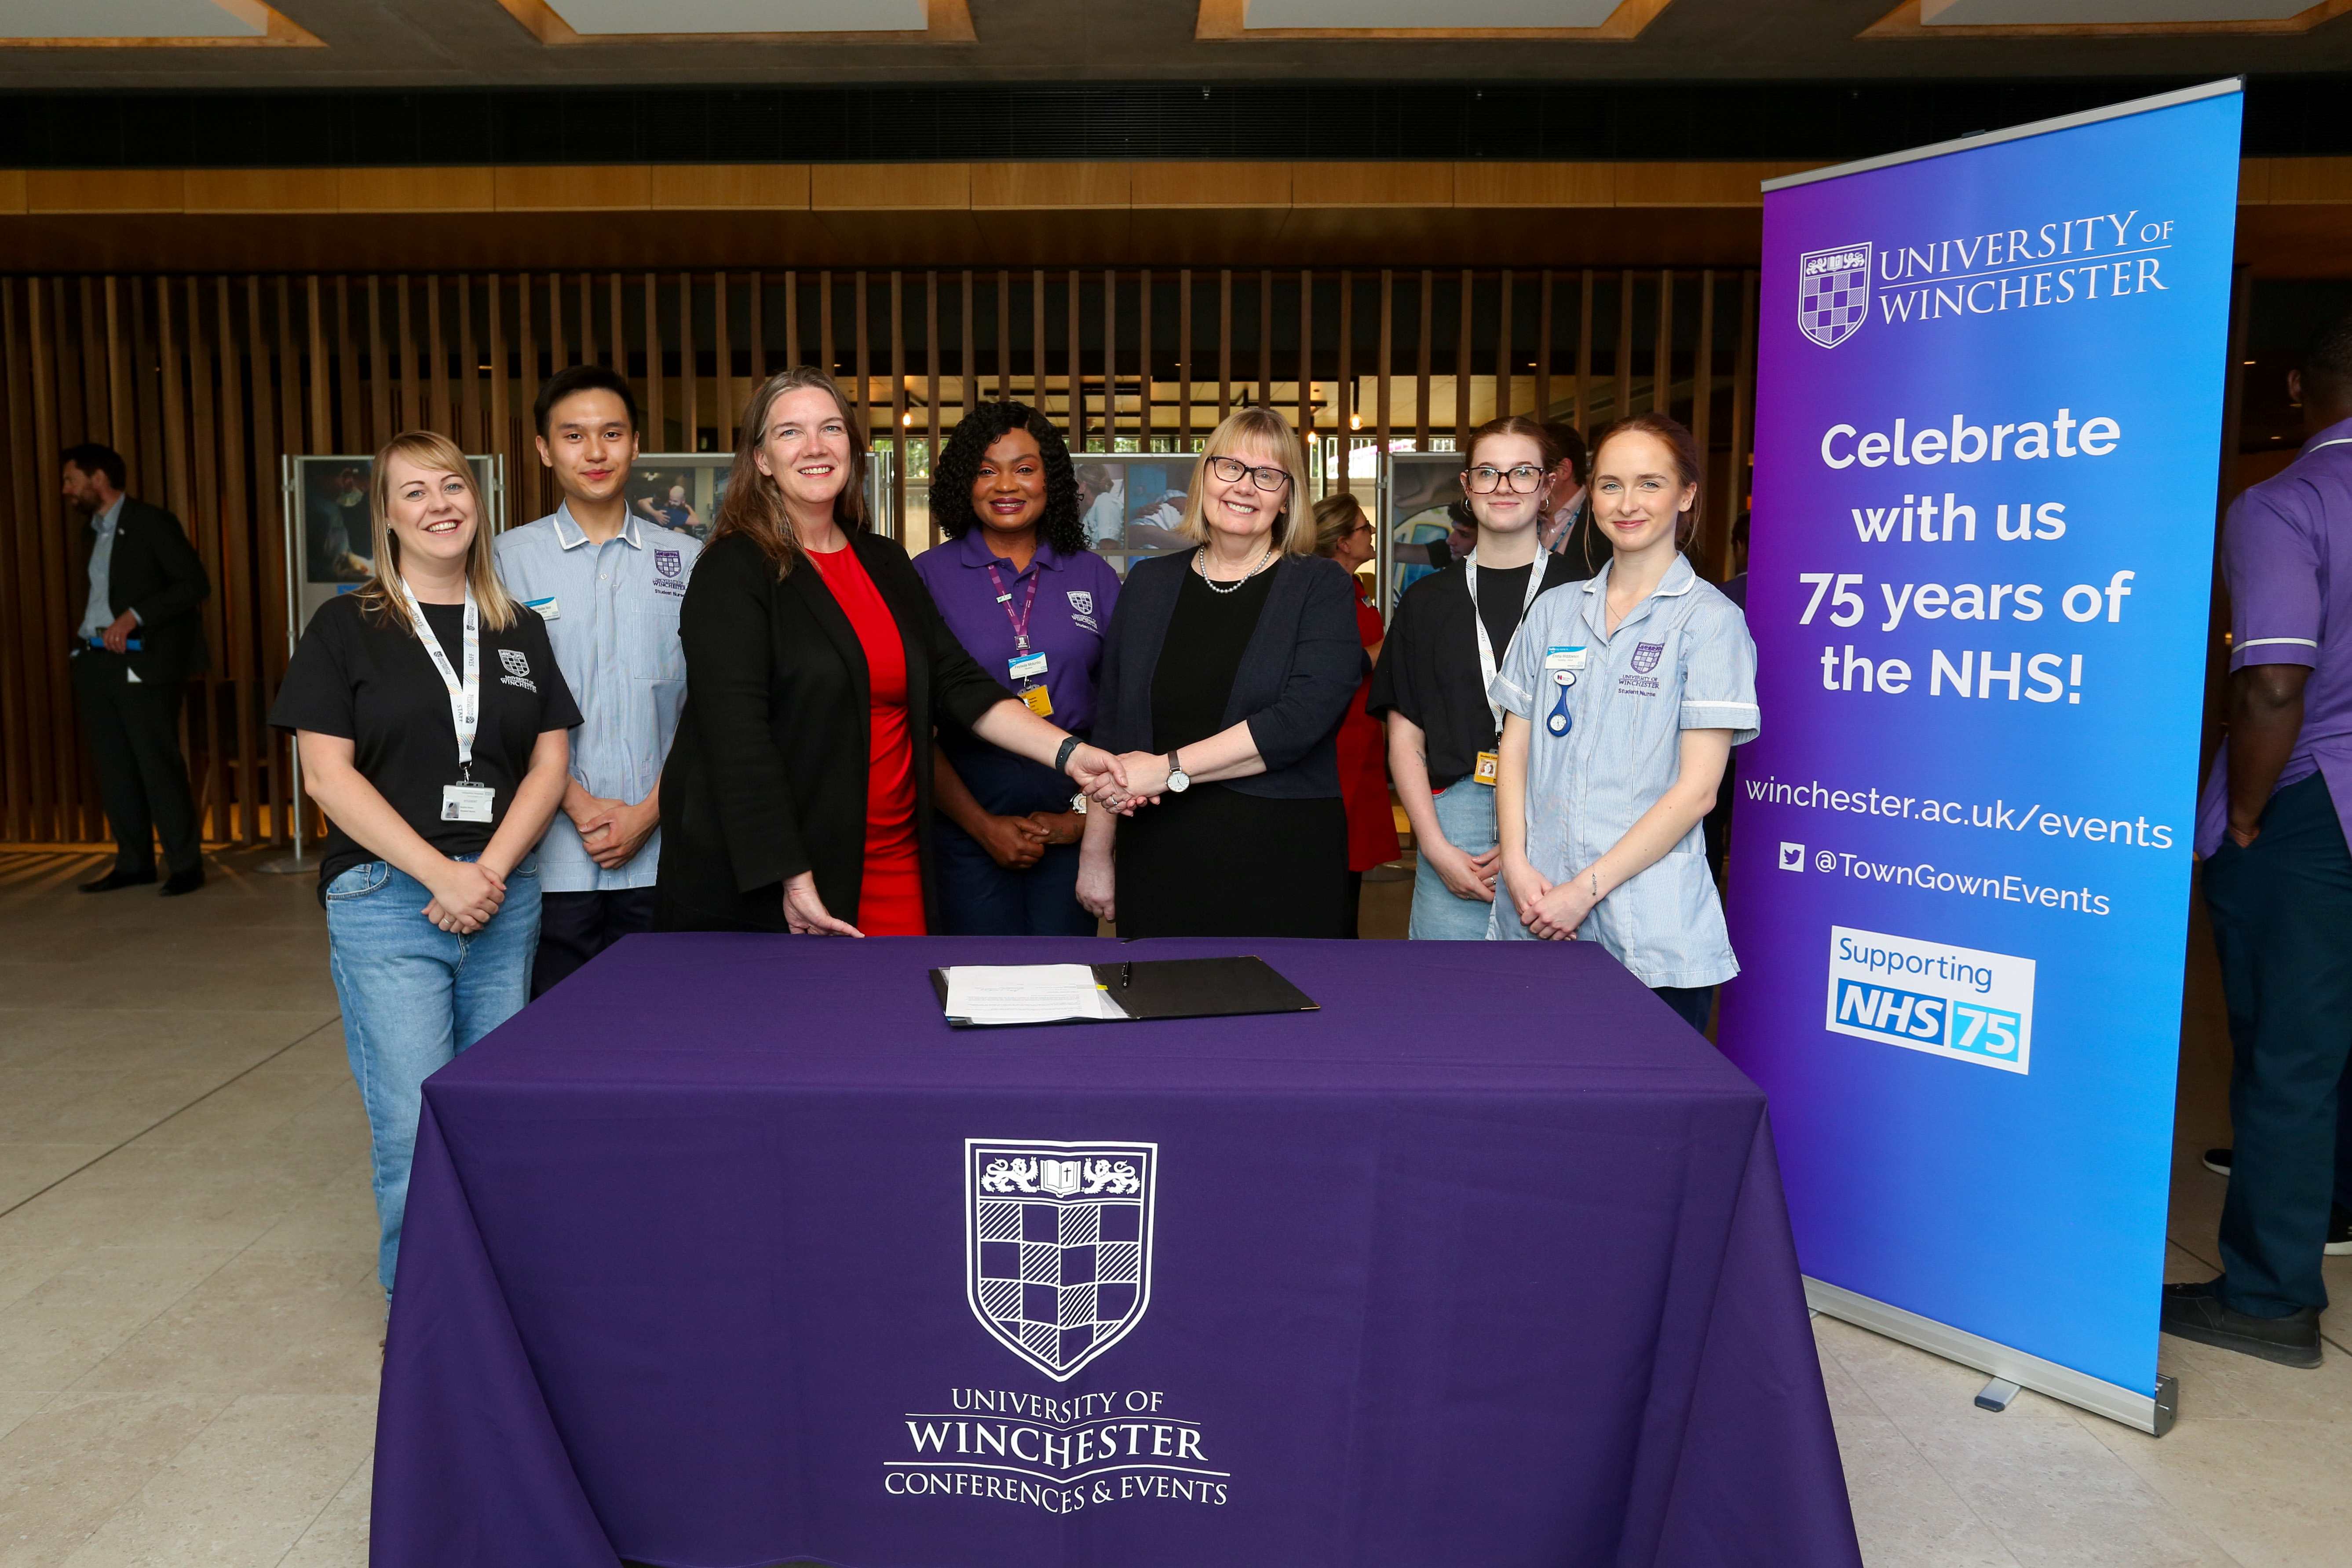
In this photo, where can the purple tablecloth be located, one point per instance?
(729, 1252)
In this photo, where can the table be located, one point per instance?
(728, 1251)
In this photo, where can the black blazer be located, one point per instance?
(1298, 673)
(767, 776)
(155, 571)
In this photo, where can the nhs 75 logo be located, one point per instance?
(1960, 1003)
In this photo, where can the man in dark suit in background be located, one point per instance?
(141, 635)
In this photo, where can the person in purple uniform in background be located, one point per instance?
(2270, 827)
(1026, 598)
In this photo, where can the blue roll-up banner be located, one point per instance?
(1989, 398)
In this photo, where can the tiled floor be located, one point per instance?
(189, 1318)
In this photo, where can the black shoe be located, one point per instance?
(2218, 1161)
(2339, 1232)
(186, 881)
(119, 877)
(2196, 1312)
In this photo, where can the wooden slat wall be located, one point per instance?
(205, 382)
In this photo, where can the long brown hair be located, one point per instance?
(754, 503)
(1547, 448)
(1688, 469)
(383, 598)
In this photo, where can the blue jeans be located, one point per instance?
(1465, 812)
(412, 997)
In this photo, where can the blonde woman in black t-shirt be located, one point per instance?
(431, 718)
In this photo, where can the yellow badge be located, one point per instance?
(1040, 701)
(1490, 765)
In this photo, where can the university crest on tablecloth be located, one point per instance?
(1057, 1249)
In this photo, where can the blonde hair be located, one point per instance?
(1336, 517)
(754, 503)
(384, 597)
(1293, 528)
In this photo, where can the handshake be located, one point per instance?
(1119, 784)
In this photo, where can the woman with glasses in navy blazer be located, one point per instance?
(1225, 674)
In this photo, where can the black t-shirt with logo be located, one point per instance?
(370, 682)
(1429, 665)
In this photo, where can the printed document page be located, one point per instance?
(1025, 994)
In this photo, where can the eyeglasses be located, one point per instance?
(1486, 479)
(1231, 469)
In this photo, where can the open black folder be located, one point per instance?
(1181, 988)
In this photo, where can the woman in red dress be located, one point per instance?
(1345, 534)
(797, 795)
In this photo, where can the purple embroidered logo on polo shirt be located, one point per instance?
(669, 563)
(1645, 657)
(1058, 1250)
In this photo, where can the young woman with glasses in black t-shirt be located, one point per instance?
(1445, 644)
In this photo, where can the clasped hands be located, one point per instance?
(1549, 909)
(466, 894)
(612, 831)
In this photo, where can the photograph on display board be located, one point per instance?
(330, 533)
(1132, 503)
(680, 490)
(1423, 500)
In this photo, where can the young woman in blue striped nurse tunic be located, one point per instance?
(1623, 697)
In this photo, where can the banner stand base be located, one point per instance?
(288, 865)
(2150, 1413)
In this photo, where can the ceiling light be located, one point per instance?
(591, 17)
(134, 19)
(2100, 13)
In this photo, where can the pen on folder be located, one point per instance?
(1126, 975)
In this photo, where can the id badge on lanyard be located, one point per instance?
(464, 801)
(1490, 763)
(1027, 667)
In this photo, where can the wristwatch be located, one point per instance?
(1062, 758)
(1178, 781)
(1078, 804)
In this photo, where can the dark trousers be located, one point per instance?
(575, 927)
(1694, 1003)
(2283, 923)
(142, 783)
(977, 897)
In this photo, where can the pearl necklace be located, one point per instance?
(1200, 566)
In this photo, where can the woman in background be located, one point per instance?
(1343, 533)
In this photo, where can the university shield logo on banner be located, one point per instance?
(1058, 1245)
(669, 563)
(1833, 292)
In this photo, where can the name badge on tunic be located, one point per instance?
(466, 802)
(1568, 658)
(1488, 768)
(548, 608)
(1027, 666)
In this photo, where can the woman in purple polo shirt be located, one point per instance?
(1026, 598)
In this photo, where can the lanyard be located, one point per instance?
(465, 700)
(1021, 621)
(1486, 661)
